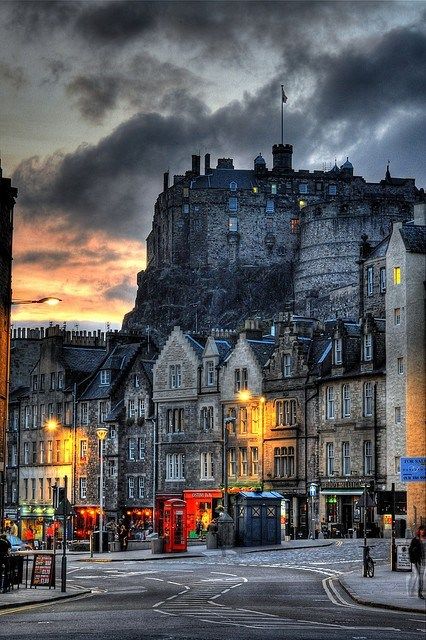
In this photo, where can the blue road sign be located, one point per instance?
(413, 469)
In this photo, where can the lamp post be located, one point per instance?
(48, 300)
(102, 433)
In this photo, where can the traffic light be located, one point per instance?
(58, 496)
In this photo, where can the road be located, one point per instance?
(283, 594)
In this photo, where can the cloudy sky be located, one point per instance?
(99, 98)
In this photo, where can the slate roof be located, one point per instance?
(116, 362)
(197, 343)
(414, 237)
(224, 347)
(221, 178)
(148, 367)
(262, 349)
(379, 251)
(113, 415)
(82, 359)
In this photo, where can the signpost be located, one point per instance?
(43, 574)
(413, 469)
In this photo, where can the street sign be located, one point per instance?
(312, 489)
(413, 469)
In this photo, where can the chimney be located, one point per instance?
(282, 156)
(166, 181)
(196, 165)
(207, 164)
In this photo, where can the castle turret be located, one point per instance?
(282, 156)
(195, 165)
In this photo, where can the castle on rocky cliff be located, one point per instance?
(230, 243)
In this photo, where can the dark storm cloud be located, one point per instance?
(13, 76)
(123, 291)
(367, 83)
(35, 17)
(47, 259)
(142, 82)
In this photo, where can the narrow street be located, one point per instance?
(264, 595)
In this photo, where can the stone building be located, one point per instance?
(189, 424)
(290, 434)
(351, 421)
(7, 202)
(405, 352)
(237, 243)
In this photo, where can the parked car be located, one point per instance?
(17, 543)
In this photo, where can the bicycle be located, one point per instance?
(368, 563)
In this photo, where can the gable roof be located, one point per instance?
(262, 350)
(117, 362)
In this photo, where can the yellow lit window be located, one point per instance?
(397, 275)
(255, 189)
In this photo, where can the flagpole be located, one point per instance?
(282, 114)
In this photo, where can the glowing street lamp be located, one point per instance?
(50, 301)
(102, 433)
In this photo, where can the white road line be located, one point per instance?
(221, 573)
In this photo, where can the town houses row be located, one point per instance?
(287, 406)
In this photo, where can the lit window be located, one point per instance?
(243, 461)
(400, 365)
(243, 420)
(397, 316)
(294, 225)
(370, 274)
(255, 420)
(254, 461)
(255, 189)
(302, 204)
(83, 449)
(233, 186)
(397, 275)
(273, 188)
(233, 223)
(233, 203)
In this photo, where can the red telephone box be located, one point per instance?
(174, 525)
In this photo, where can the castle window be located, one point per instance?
(318, 186)
(397, 316)
(233, 223)
(273, 188)
(370, 274)
(332, 190)
(303, 187)
(383, 280)
(233, 203)
(397, 275)
(255, 189)
(185, 192)
(233, 186)
(185, 208)
(294, 225)
(400, 365)
(398, 415)
(270, 206)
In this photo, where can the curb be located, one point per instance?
(28, 603)
(377, 605)
(154, 557)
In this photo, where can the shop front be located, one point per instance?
(138, 522)
(340, 514)
(35, 523)
(86, 520)
(201, 508)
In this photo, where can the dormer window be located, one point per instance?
(233, 186)
(287, 365)
(368, 347)
(338, 351)
(105, 376)
(210, 373)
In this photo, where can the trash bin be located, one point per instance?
(96, 536)
(157, 545)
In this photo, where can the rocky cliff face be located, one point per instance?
(202, 299)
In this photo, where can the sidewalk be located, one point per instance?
(388, 589)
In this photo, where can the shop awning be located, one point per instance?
(342, 492)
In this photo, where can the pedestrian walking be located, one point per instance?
(123, 537)
(417, 554)
(5, 548)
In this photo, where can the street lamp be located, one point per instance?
(49, 300)
(102, 433)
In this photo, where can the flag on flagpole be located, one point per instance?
(284, 97)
